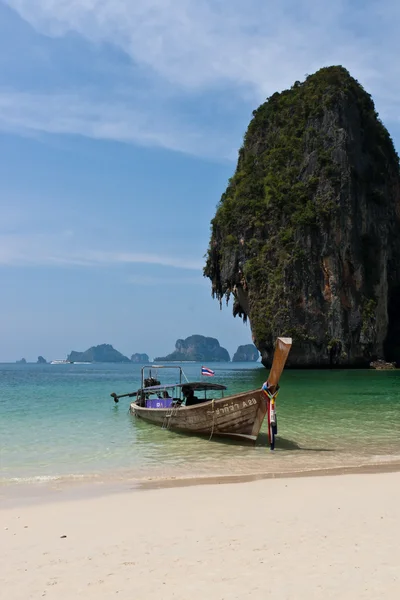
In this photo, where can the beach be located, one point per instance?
(288, 538)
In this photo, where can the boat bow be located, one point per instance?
(271, 386)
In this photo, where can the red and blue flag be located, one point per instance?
(207, 372)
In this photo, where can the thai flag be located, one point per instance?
(207, 372)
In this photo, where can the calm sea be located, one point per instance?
(59, 422)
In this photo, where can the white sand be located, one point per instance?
(322, 537)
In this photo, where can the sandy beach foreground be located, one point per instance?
(319, 537)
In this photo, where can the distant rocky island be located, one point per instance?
(140, 358)
(21, 362)
(196, 348)
(104, 353)
(246, 353)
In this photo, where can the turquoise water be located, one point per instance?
(58, 421)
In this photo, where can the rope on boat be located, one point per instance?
(213, 423)
(167, 419)
(174, 409)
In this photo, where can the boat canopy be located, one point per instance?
(158, 388)
(202, 386)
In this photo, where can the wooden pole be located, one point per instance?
(282, 349)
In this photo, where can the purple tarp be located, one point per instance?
(159, 403)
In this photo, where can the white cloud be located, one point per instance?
(194, 44)
(189, 47)
(158, 281)
(81, 114)
(60, 249)
(106, 258)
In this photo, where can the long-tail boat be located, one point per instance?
(174, 406)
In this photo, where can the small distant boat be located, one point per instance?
(175, 406)
(60, 362)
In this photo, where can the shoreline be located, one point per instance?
(372, 469)
(86, 487)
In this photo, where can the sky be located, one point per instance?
(120, 123)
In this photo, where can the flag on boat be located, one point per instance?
(207, 372)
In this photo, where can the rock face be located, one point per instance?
(103, 353)
(246, 353)
(381, 365)
(197, 348)
(140, 358)
(41, 361)
(307, 235)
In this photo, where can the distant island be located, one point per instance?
(246, 353)
(196, 348)
(21, 362)
(103, 353)
(140, 358)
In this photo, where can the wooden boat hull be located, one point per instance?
(238, 416)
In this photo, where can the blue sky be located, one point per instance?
(120, 123)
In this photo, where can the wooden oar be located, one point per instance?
(282, 349)
(116, 398)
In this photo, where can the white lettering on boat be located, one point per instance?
(249, 402)
(227, 408)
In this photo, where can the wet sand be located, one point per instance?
(287, 538)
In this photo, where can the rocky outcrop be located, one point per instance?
(41, 361)
(381, 365)
(306, 237)
(246, 353)
(104, 353)
(140, 358)
(21, 362)
(197, 348)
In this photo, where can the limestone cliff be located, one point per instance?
(197, 348)
(246, 353)
(307, 235)
(102, 353)
(140, 358)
